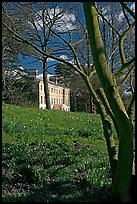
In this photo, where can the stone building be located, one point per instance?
(59, 94)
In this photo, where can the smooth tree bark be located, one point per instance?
(122, 180)
(107, 127)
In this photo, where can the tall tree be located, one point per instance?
(19, 88)
(35, 21)
(123, 173)
(107, 98)
(10, 60)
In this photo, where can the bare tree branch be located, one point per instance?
(123, 68)
(121, 42)
(124, 5)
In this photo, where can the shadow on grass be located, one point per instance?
(74, 188)
(62, 191)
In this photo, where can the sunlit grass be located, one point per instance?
(53, 156)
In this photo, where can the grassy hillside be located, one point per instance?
(53, 156)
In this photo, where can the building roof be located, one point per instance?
(59, 85)
(40, 78)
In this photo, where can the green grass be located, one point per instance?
(53, 156)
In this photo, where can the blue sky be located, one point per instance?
(28, 62)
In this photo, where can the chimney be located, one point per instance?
(56, 80)
(32, 72)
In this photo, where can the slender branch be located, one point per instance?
(113, 28)
(52, 65)
(121, 43)
(80, 39)
(37, 33)
(92, 73)
(71, 48)
(123, 67)
(105, 102)
(126, 77)
(109, 111)
(126, 17)
(6, 13)
(33, 61)
(112, 53)
(44, 54)
(128, 9)
(131, 108)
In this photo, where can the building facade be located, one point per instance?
(59, 94)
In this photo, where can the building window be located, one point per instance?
(41, 99)
(51, 100)
(54, 101)
(57, 100)
(41, 87)
(51, 90)
(63, 100)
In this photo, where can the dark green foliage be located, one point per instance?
(19, 90)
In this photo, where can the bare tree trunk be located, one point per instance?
(122, 181)
(113, 46)
(110, 142)
(113, 157)
(45, 81)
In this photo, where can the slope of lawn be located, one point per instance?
(53, 156)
